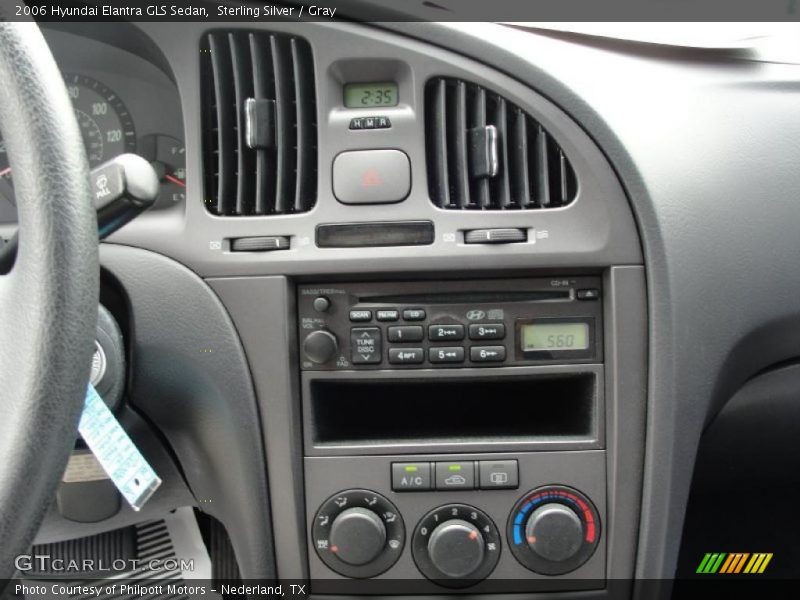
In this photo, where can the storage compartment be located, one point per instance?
(446, 410)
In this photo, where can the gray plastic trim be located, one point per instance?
(263, 310)
(716, 204)
(190, 378)
(594, 231)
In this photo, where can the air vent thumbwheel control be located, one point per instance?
(456, 545)
(358, 533)
(553, 530)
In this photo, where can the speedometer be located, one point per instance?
(105, 123)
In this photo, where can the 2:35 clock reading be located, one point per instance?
(368, 95)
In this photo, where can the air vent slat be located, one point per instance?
(242, 89)
(225, 121)
(459, 134)
(260, 129)
(480, 186)
(562, 170)
(542, 168)
(502, 191)
(486, 153)
(283, 124)
(438, 176)
(303, 85)
(519, 158)
(263, 88)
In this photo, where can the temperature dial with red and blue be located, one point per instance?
(553, 530)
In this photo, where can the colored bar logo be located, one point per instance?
(733, 563)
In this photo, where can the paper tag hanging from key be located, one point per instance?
(120, 458)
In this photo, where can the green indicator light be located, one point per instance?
(410, 469)
(454, 467)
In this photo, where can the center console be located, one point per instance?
(447, 340)
(454, 434)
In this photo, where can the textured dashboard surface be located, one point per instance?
(705, 145)
(596, 230)
(707, 149)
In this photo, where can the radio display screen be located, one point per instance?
(369, 95)
(554, 336)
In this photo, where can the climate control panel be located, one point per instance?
(494, 538)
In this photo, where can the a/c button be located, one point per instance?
(371, 176)
(411, 477)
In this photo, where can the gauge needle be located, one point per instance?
(175, 180)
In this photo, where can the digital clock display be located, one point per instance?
(370, 95)
(552, 337)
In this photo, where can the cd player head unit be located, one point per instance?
(450, 324)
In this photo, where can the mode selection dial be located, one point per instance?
(359, 536)
(358, 533)
(553, 530)
(456, 545)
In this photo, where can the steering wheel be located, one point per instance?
(48, 302)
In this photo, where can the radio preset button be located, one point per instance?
(411, 477)
(487, 353)
(360, 315)
(445, 332)
(414, 314)
(387, 315)
(455, 475)
(365, 345)
(487, 331)
(406, 333)
(444, 354)
(406, 356)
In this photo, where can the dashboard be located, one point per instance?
(434, 307)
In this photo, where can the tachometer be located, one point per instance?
(104, 121)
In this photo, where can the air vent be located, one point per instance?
(259, 130)
(485, 153)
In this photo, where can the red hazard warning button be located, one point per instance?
(371, 176)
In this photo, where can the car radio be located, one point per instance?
(447, 324)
